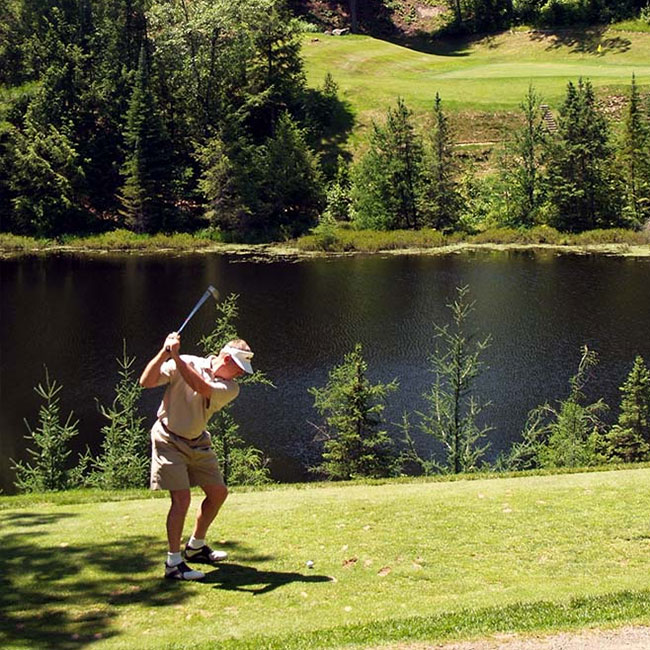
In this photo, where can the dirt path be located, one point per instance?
(624, 638)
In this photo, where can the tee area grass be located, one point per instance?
(393, 562)
(487, 74)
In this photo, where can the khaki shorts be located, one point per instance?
(179, 463)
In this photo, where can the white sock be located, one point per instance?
(196, 543)
(174, 558)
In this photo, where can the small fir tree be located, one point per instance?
(51, 438)
(629, 439)
(124, 459)
(566, 435)
(355, 443)
(453, 408)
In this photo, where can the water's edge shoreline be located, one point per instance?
(273, 252)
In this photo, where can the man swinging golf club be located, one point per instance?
(182, 455)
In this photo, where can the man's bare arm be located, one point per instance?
(151, 374)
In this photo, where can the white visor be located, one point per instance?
(241, 357)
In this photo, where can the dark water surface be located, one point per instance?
(71, 313)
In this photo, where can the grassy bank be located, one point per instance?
(342, 240)
(397, 561)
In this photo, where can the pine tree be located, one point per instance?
(355, 444)
(634, 155)
(523, 176)
(275, 74)
(45, 175)
(51, 440)
(338, 193)
(219, 184)
(291, 185)
(439, 197)
(565, 435)
(582, 183)
(453, 409)
(124, 459)
(145, 194)
(387, 182)
(629, 439)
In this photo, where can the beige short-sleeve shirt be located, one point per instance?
(183, 410)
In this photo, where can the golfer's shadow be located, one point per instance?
(237, 577)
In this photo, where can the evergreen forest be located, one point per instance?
(166, 116)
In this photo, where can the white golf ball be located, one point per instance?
(309, 564)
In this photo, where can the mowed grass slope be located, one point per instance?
(391, 562)
(488, 74)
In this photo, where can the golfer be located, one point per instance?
(181, 453)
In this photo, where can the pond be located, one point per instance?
(71, 314)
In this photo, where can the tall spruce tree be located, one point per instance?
(629, 439)
(524, 173)
(387, 181)
(145, 194)
(582, 182)
(275, 73)
(291, 185)
(355, 442)
(634, 155)
(439, 197)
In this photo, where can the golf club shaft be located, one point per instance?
(211, 291)
(201, 300)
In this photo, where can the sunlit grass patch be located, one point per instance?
(346, 239)
(396, 561)
(122, 239)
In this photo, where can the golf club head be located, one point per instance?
(214, 292)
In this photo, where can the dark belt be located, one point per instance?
(173, 433)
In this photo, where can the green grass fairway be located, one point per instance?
(490, 74)
(398, 561)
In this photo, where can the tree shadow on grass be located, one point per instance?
(68, 596)
(237, 577)
(584, 41)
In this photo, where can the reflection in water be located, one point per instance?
(72, 313)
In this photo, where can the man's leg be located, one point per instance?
(175, 567)
(215, 495)
(176, 518)
(197, 550)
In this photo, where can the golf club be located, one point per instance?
(210, 291)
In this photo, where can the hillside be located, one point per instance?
(481, 80)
